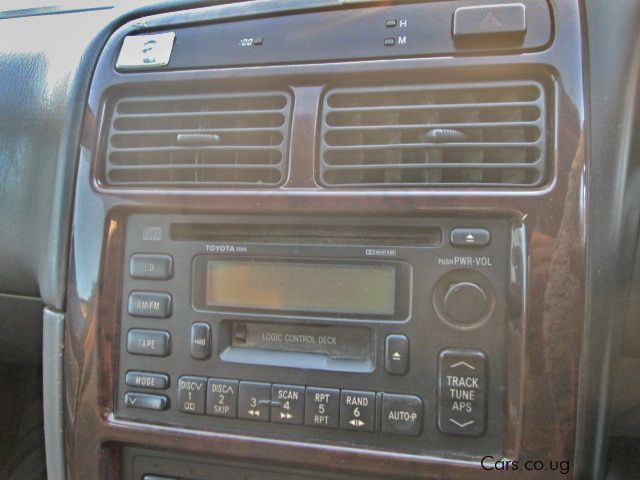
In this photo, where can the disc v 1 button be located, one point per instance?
(192, 393)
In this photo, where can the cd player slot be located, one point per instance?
(424, 236)
(316, 347)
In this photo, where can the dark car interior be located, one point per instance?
(319, 239)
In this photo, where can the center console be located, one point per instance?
(354, 331)
(328, 240)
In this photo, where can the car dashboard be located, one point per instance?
(325, 239)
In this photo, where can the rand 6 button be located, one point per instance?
(357, 410)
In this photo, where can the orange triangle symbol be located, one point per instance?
(490, 20)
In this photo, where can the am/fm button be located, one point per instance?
(149, 304)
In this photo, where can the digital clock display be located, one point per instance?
(302, 286)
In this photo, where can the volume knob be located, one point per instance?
(465, 302)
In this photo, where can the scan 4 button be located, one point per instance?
(287, 404)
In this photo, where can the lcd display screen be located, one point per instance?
(302, 286)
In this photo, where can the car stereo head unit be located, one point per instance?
(309, 286)
(292, 328)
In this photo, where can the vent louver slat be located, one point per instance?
(486, 135)
(199, 141)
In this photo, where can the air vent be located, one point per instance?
(196, 141)
(467, 135)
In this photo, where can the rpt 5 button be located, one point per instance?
(322, 407)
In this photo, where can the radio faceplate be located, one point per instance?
(430, 375)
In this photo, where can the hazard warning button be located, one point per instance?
(505, 19)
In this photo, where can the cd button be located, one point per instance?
(287, 404)
(357, 410)
(322, 407)
(151, 266)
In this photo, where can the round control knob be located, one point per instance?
(465, 302)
